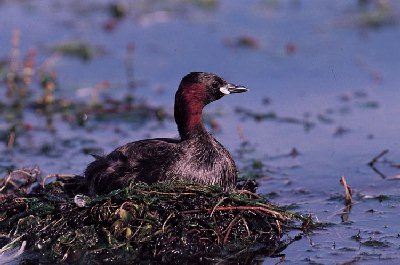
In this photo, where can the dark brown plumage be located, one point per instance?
(196, 156)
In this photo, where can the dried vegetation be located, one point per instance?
(164, 222)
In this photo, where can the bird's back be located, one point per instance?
(201, 159)
(145, 160)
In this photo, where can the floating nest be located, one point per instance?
(166, 222)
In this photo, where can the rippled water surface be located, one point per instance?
(323, 101)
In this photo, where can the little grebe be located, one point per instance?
(196, 156)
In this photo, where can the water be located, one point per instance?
(319, 63)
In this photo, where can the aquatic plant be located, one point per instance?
(164, 222)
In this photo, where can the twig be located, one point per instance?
(274, 214)
(272, 211)
(55, 176)
(218, 203)
(377, 171)
(347, 191)
(30, 174)
(174, 193)
(166, 220)
(353, 261)
(247, 192)
(246, 226)
(396, 177)
(52, 224)
(6, 182)
(278, 226)
(228, 230)
(139, 227)
(344, 216)
(376, 158)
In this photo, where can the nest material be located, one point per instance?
(164, 222)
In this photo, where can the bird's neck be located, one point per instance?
(188, 115)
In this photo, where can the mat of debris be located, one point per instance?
(164, 222)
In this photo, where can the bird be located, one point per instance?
(195, 156)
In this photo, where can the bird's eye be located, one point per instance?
(215, 85)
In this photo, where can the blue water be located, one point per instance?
(341, 76)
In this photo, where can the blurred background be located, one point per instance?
(83, 77)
